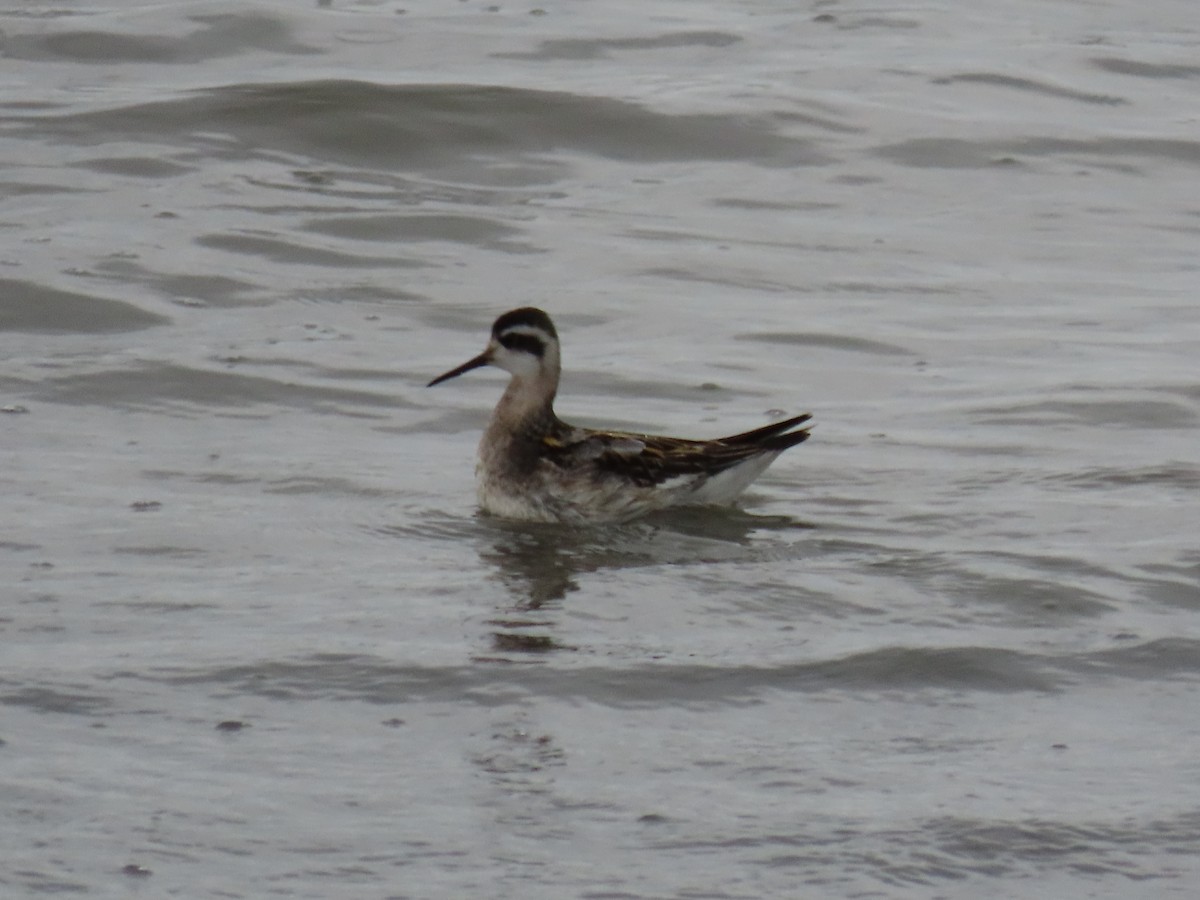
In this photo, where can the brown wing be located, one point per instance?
(647, 459)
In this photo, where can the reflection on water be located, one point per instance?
(541, 564)
(538, 563)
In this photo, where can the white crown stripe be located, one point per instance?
(529, 331)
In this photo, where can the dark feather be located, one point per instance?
(760, 435)
(527, 315)
(648, 459)
(532, 345)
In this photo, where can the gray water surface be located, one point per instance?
(257, 641)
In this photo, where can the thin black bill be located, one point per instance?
(481, 360)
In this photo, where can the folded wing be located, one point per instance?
(649, 460)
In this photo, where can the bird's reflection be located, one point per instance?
(536, 563)
(541, 564)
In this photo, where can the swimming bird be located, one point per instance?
(535, 467)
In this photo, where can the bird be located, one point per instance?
(534, 467)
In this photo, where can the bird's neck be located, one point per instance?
(527, 407)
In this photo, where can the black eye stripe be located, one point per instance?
(525, 342)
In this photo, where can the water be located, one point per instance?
(257, 642)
